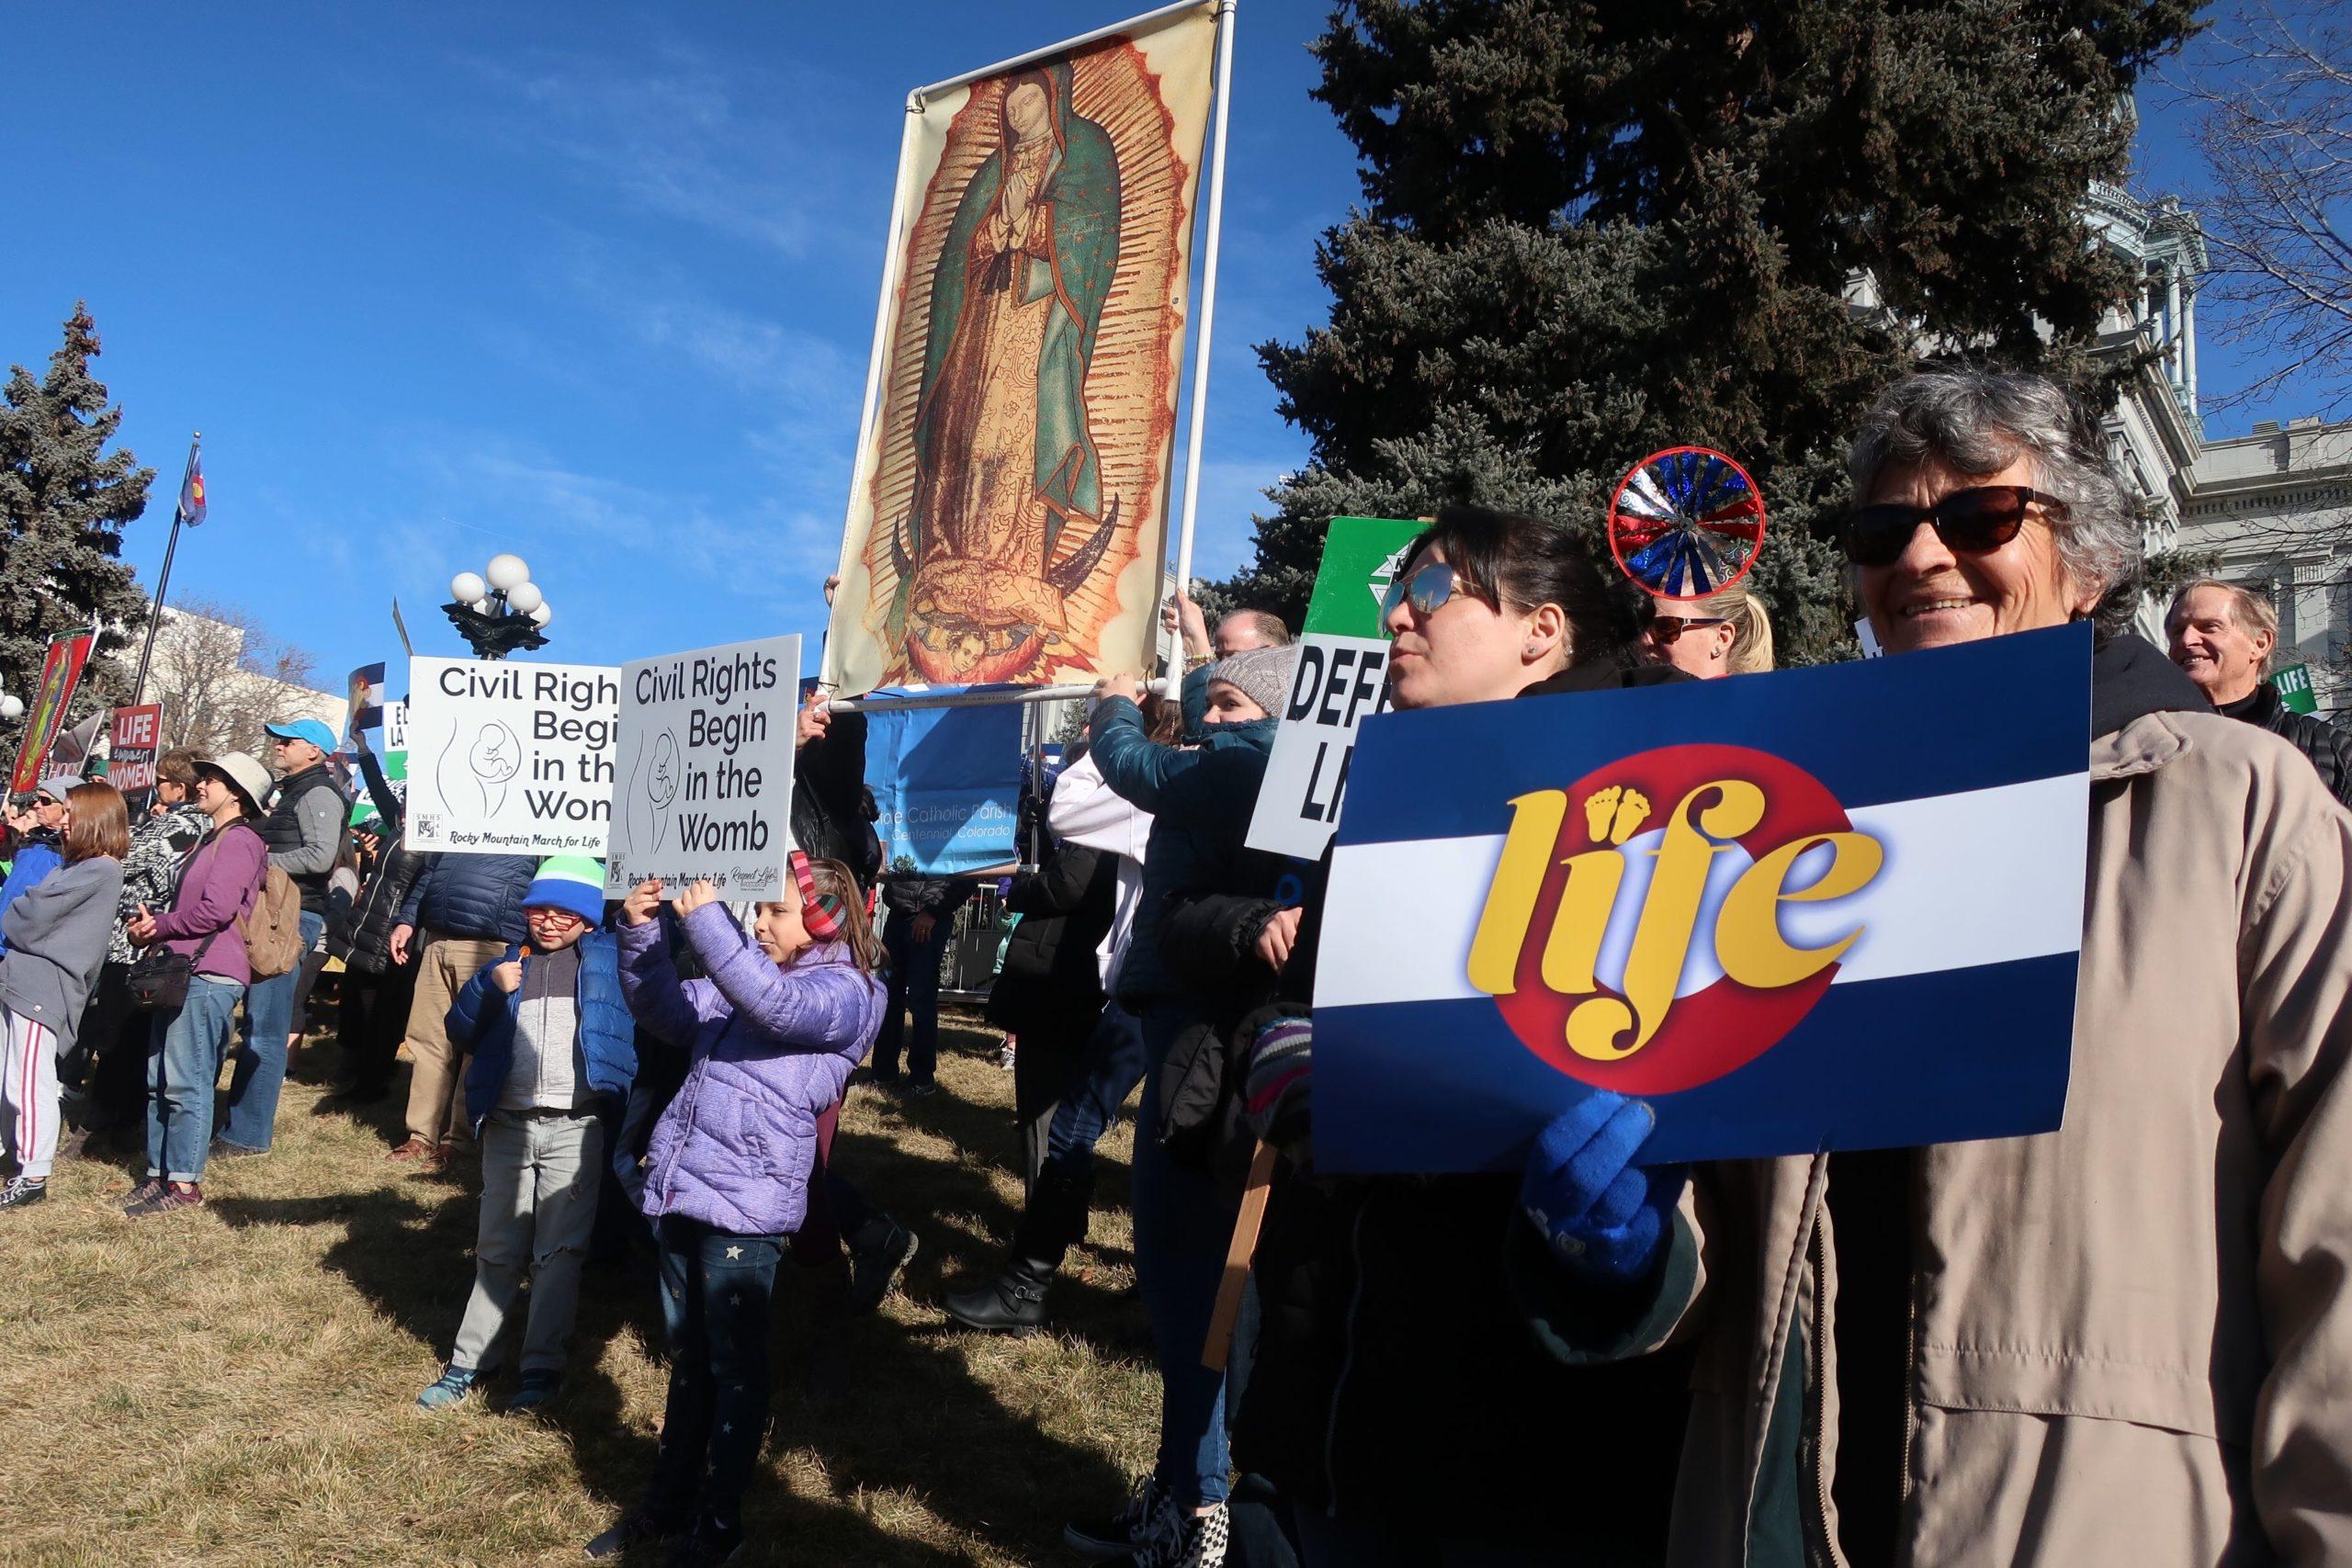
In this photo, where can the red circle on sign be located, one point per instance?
(1726, 1025)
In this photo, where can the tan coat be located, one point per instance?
(2131, 1339)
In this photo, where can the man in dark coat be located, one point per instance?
(2222, 638)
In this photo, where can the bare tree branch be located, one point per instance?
(220, 677)
(2272, 98)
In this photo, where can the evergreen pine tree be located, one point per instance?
(64, 502)
(1593, 228)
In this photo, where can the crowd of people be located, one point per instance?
(2123, 1341)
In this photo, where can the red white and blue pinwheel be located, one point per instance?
(1686, 522)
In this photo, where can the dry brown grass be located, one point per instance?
(236, 1385)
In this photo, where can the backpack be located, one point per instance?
(273, 927)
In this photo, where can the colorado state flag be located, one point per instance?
(1838, 908)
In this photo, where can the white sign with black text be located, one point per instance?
(508, 758)
(1338, 682)
(705, 769)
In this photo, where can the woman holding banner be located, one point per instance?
(2124, 1342)
(1397, 1399)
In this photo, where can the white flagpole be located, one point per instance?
(1224, 88)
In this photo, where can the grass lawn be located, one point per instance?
(236, 1385)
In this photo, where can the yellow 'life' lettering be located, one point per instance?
(1748, 943)
(1511, 899)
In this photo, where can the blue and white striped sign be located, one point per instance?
(1836, 908)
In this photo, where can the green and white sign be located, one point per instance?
(2294, 683)
(1343, 675)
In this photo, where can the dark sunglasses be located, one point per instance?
(1426, 590)
(1666, 631)
(1971, 521)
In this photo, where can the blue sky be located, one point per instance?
(590, 283)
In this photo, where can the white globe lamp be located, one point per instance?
(541, 614)
(508, 573)
(525, 597)
(467, 587)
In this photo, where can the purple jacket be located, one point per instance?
(772, 1049)
(218, 882)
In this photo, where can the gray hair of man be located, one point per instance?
(1977, 423)
(2253, 613)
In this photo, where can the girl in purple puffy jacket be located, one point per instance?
(773, 1033)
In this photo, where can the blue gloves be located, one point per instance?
(1604, 1217)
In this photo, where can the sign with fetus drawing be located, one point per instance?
(1827, 909)
(506, 758)
(1008, 511)
(704, 785)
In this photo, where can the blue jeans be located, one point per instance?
(716, 1287)
(183, 1064)
(261, 1058)
(914, 980)
(1182, 1224)
(1112, 1069)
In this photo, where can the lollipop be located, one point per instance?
(1686, 522)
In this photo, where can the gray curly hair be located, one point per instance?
(1978, 422)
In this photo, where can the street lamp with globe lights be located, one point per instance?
(498, 609)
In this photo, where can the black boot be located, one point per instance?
(1016, 1299)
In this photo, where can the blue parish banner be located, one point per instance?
(948, 784)
(1827, 909)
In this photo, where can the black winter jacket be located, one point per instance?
(2329, 748)
(1397, 1371)
(828, 819)
(471, 895)
(370, 945)
(1050, 977)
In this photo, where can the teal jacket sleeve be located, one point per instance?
(1579, 1324)
(1193, 698)
(1137, 771)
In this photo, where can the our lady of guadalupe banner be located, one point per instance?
(61, 672)
(1009, 514)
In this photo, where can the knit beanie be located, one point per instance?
(1262, 674)
(570, 881)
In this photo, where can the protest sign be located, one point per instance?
(947, 784)
(392, 757)
(131, 751)
(514, 759)
(61, 672)
(705, 788)
(1340, 680)
(1836, 908)
(2294, 683)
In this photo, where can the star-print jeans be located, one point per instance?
(716, 1287)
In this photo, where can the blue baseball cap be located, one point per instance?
(310, 729)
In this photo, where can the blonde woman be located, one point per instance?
(1723, 634)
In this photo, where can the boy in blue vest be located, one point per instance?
(554, 1048)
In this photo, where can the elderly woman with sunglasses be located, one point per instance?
(1399, 1398)
(2124, 1342)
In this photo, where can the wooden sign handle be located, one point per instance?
(1238, 1255)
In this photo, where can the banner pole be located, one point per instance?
(919, 700)
(163, 581)
(1224, 89)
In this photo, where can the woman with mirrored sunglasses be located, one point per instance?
(2127, 1341)
(1396, 1398)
